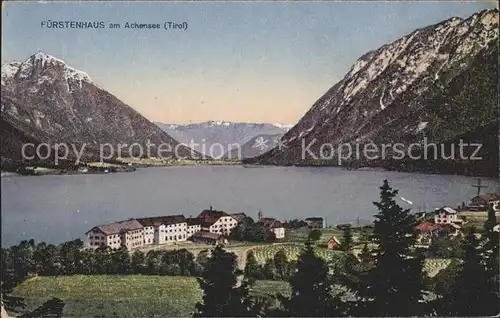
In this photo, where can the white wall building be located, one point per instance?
(274, 226)
(164, 229)
(217, 222)
(446, 215)
(193, 226)
(128, 233)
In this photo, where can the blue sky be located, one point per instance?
(238, 61)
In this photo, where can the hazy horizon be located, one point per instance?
(258, 62)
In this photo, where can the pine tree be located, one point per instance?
(252, 268)
(393, 286)
(468, 295)
(347, 240)
(281, 263)
(312, 293)
(492, 262)
(221, 297)
(474, 290)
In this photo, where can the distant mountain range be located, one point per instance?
(227, 133)
(439, 83)
(46, 101)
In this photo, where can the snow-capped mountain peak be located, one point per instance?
(43, 68)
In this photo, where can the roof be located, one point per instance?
(118, 227)
(333, 238)
(207, 235)
(427, 227)
(488, 197)
(271, 223)
(447, 210)
(193, 221)
(239, 216)
(209, 217)
(159, 220)
(315, 219)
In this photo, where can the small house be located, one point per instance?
(446, 215)
(482, 202)
(333, 243)
(205, 237)
(274, 226)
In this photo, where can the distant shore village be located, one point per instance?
(214, 227)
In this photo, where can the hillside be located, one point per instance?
(436, 84)
(46, 100)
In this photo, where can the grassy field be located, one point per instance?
(475, 219)
(124, 296)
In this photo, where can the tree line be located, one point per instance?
(388, 280)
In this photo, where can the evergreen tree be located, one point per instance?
(221, 297)
(474, 289)
(347, 240)
(468, 295)
(121, 261)
(394, 285)
(281, 263)
(139, 265)
(252, 269)
(312, 294)
(366, 254)
(315, 235)
(186, 262)
(492, 262)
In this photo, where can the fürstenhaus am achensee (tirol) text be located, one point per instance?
(167, 25)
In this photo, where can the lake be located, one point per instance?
(62, 207)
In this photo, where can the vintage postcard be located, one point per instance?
(250, 159)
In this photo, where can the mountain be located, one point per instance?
(255, 146)
(46, 101)
(220, 132)
(435, 84)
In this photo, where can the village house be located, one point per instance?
(446, 215)
(205, 237)
(315, 223)
(164, 229)
(218, 222)
(482, 202)
(128, 233)
(333, 243)
(274, 226)
(428, 231)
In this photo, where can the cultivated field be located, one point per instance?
(292, 251)
(124, 296)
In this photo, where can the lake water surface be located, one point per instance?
(59, 208)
